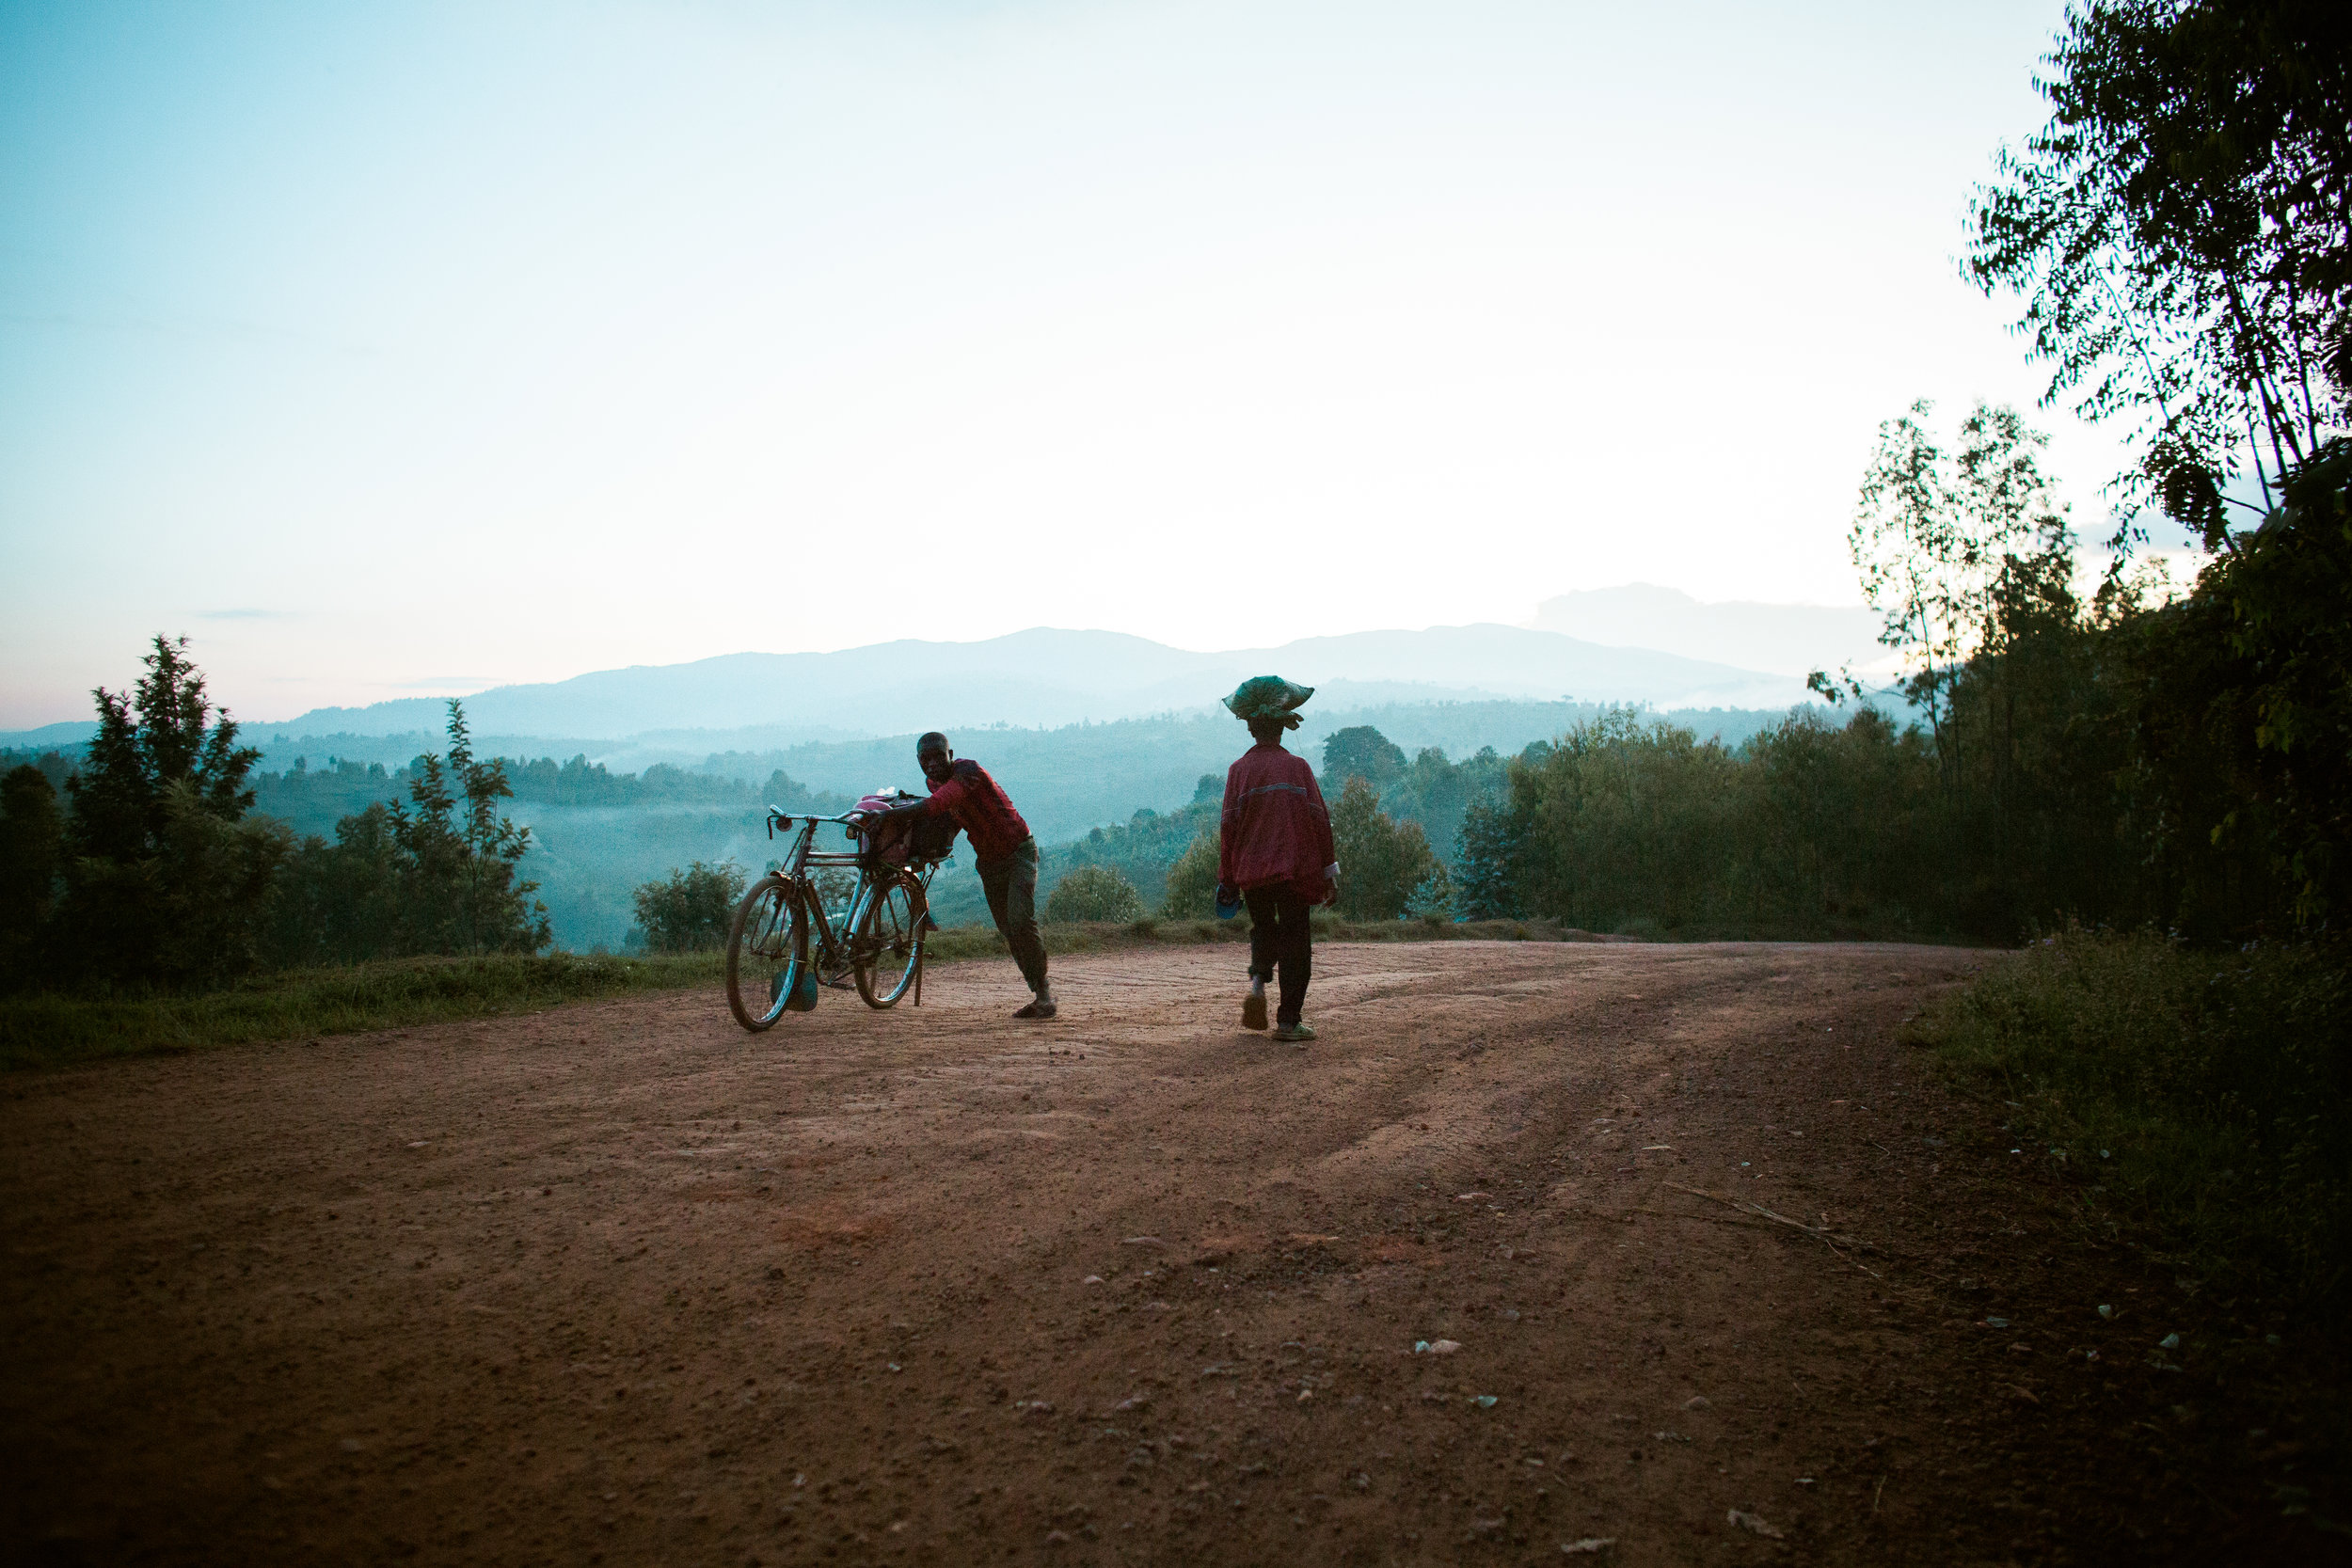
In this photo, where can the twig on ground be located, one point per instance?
(1711, 1219)
(1745, 1207)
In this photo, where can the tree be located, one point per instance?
(1383, 864)
(159, 734)
(166, 883)
(1935, 534)
(1486, 862)
(459, 893)
(1360, 751)
(1093, 892)
(690, 911)
(2177, 234)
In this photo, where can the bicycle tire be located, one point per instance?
(887, 949)
(767, 947)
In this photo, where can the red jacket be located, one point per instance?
(980, 809)
(1275, 828)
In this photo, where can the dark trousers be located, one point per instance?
(1010, 884)
(1280, 942)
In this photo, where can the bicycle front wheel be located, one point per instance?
(767, 950)
(888, 947)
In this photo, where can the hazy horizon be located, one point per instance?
(1133, 675)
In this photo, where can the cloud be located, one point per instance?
(245, 614)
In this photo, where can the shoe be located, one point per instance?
(1293, 1034)
(1036, 1009)
(1253, 1010)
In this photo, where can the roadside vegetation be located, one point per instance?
(48, 1029)
(2198, 1095)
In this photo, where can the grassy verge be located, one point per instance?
(2201, 1096)
(41, 1031)
(53, 1031)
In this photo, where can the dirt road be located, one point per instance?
(619, 1283)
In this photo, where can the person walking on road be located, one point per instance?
(1003, 851)
(1274, 853)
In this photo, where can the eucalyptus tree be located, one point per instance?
(1938, 532)
(2178, 235)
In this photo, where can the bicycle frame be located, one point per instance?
(831, 955)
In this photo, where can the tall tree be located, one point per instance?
(2181, 237)
(163, 732)
(168, 881)
(1936, 534)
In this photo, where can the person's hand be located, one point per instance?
(1226, 896)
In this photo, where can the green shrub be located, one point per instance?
(1093, 892)
(1192, 882)
(690, 911)
(1384, 864)
(2202, 1092)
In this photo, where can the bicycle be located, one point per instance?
(783, 939)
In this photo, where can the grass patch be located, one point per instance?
(45, 1030)
(54, 1031)
(2202, 1095)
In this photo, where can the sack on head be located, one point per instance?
(1268, 697)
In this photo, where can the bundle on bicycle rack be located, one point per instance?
(886, 840)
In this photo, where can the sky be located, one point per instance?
(408, 349)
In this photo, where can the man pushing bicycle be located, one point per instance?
(1003, 851)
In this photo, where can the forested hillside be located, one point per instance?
(1095, 794)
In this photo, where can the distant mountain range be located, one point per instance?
(1045, 677)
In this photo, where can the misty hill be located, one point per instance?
(1045, 677)
(1786, 639)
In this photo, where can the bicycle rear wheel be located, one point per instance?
(767, 949)
(887, 948)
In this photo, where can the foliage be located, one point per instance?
(1385, 865)
(32, 856)
(2201, 1090)
(2288, 671)
(1093, 892)
(166, 883)
(1359, 752)
(690, 910)
(1439, 794)
(2187, 764)
(160, 735)
(1143, 849)
(1938, 536)
(2176, 233)
(422, 876)
(53, 1030)
(1486, 863)
(1192, 881)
